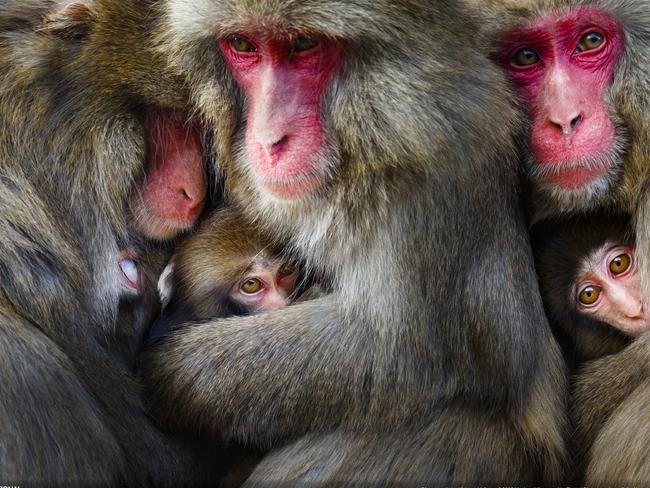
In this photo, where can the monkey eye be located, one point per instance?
(300, 44)
(525, 57)
(589, 295)
(620, 264)
(287, 269)
(241, 45)
(251, 285)
(590, 41)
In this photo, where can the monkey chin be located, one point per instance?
(295, 188)
(575, 186)
(161, 227)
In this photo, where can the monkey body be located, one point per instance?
(71, 148)
(600, 68)
(386, 383)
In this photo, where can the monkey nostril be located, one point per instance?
(280, 144)
(565, 125)
(576, 121)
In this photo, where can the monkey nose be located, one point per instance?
(636, 311)
(566, 123)
(191, 196)
(275, 149)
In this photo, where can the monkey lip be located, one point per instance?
(571, 175)
(293, 188)
(574, 178)
(636, 326)
(162, 225)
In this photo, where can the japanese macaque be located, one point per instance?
(581, 71)
(590, 283)
(225, 268)
(92, 132)
(363, 136)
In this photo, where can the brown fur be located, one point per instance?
(73, 85)
(431, 360)
(207, 264)
(609, 391)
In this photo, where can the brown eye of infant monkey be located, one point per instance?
(265, 287)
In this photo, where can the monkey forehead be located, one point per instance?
(594, 263)
(561, 22)
(203, 18)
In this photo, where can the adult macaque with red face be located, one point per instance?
(361, 135)
(92, 132)
(581, 71)
(563, 64)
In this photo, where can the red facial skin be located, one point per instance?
(172, 195)
(285, 139)
(565, 92)
(274, 293)
(619, 304)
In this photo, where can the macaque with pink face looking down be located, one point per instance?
(590, 283)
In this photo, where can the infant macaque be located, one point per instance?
(590, 284)
(226, 268)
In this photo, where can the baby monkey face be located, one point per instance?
(607, 288)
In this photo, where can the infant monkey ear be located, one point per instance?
(71, 19)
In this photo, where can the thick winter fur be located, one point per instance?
(432, 360)
(610, 412)
(610, 392)
(72, 87)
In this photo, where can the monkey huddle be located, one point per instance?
(363, 306)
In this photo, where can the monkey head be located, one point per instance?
(226, 268)
(607, 288)
(576, 69)
(134, 113)
(589, 281)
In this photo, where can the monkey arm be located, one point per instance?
(603, 385)
(262, 376)
(41, 398)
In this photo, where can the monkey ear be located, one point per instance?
(71, 19)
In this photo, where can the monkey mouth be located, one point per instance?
(293, 188)
(574, 175)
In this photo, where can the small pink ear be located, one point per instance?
(72, 20)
